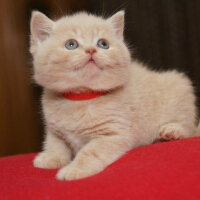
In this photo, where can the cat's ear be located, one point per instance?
(117, 22)
(41, 26)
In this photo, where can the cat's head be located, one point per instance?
(79, 52)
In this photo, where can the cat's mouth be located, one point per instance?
(90, 63)
(91, 60)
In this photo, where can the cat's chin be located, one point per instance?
(91, 64)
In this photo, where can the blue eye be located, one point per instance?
(103, 44)
(71, 44)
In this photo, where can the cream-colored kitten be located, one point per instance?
(84, 53)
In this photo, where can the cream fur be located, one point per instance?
(84, 137)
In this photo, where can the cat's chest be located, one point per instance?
(76, 122)
(72, 118)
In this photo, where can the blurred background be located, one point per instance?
(165, 34)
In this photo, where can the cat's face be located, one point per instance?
(79, 52)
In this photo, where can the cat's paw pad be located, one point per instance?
(72, 173)
(171, 132)
(49, 161)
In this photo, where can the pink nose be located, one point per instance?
(90, 51)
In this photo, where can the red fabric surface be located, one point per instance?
(168, 170)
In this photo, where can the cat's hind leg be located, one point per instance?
(173, 131)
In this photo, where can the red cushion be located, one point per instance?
(169, 170)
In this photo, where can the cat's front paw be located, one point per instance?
(50, 161)
(71, 172)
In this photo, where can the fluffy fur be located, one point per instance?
(84, 137)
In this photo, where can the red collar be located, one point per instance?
(83, 95)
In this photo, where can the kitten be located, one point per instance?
(97, 103)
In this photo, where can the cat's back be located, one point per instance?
(160, 83)
(161, 97)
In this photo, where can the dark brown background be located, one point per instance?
(165, 34)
